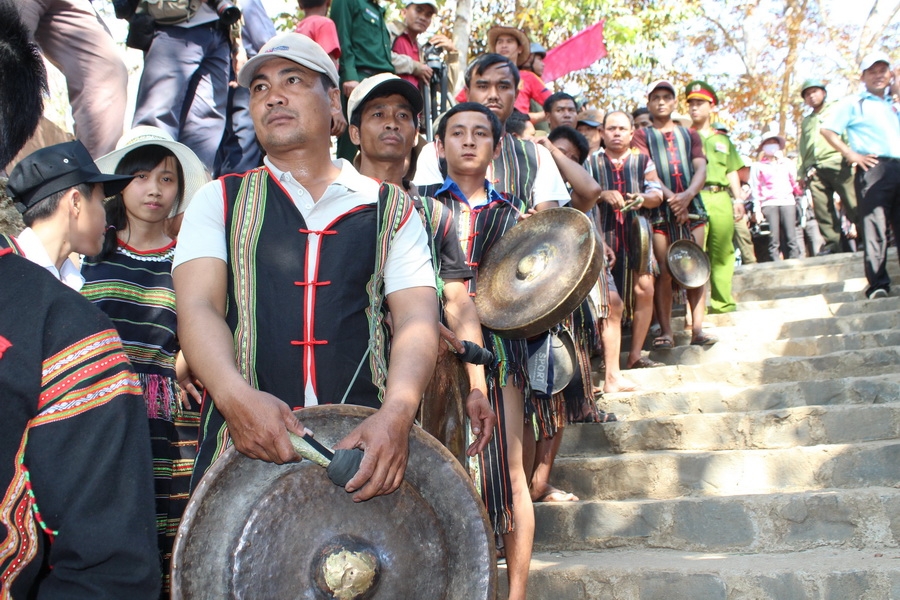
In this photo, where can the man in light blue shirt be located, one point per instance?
(872, 125)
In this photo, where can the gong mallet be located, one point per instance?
(635, 202)
(340, 465)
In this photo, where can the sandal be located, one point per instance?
(646, 363)
(663, 343)
(704, 339)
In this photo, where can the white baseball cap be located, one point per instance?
(295, 47)
(661, 83)
(871, 59)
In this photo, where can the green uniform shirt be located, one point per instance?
(814, 149)
(364, 38)
(721, 158)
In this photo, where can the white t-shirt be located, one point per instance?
(548, 183)
(409, 260)
(34, 250)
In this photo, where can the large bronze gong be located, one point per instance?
(256, 530)
(538, 273)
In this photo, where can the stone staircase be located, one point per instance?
(764, 467)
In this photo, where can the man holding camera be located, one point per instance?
(409, 59)
(184, 84)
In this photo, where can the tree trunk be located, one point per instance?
(461, 27)
(794, 16)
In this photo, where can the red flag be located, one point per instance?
(579, 51)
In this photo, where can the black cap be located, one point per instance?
(56, 168)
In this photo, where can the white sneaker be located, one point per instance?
(877, 293)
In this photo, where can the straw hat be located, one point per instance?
(524, 43)
(195, 174)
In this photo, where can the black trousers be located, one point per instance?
(878, 191)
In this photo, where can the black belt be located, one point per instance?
(715, 188)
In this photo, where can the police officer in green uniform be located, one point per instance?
(722, 194)
(823, 170)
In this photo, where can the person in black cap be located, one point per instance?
(60, 191)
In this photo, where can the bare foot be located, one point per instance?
(617, 383)
(551, 494)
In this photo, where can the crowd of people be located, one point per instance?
(217, 268)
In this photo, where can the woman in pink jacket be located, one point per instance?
(773, 188)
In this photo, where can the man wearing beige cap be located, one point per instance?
(280, 302)
(871, 123)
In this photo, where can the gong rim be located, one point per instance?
(640, 239)
(205, 551)
(688, 264)
(502, 292)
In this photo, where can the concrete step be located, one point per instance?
(843, 299)
(779, 428)
(659, 574)
(741, 329)
(756, 348)
(713, 397)
(855, 287)
(825, 269)
(674, 473)
(840, 325)
(865, 518)
(737, 372)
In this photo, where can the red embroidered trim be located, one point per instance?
(317, 231)
(5, 345)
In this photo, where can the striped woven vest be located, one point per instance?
(629, 180)
(267, 292)
(675, 173)
(515, 170)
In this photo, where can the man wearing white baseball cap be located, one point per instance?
(280, 302)
(872, 126)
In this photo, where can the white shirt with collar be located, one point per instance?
(549, 185)
(409, 260)
(34, 250)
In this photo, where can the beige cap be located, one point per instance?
(295, 47)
